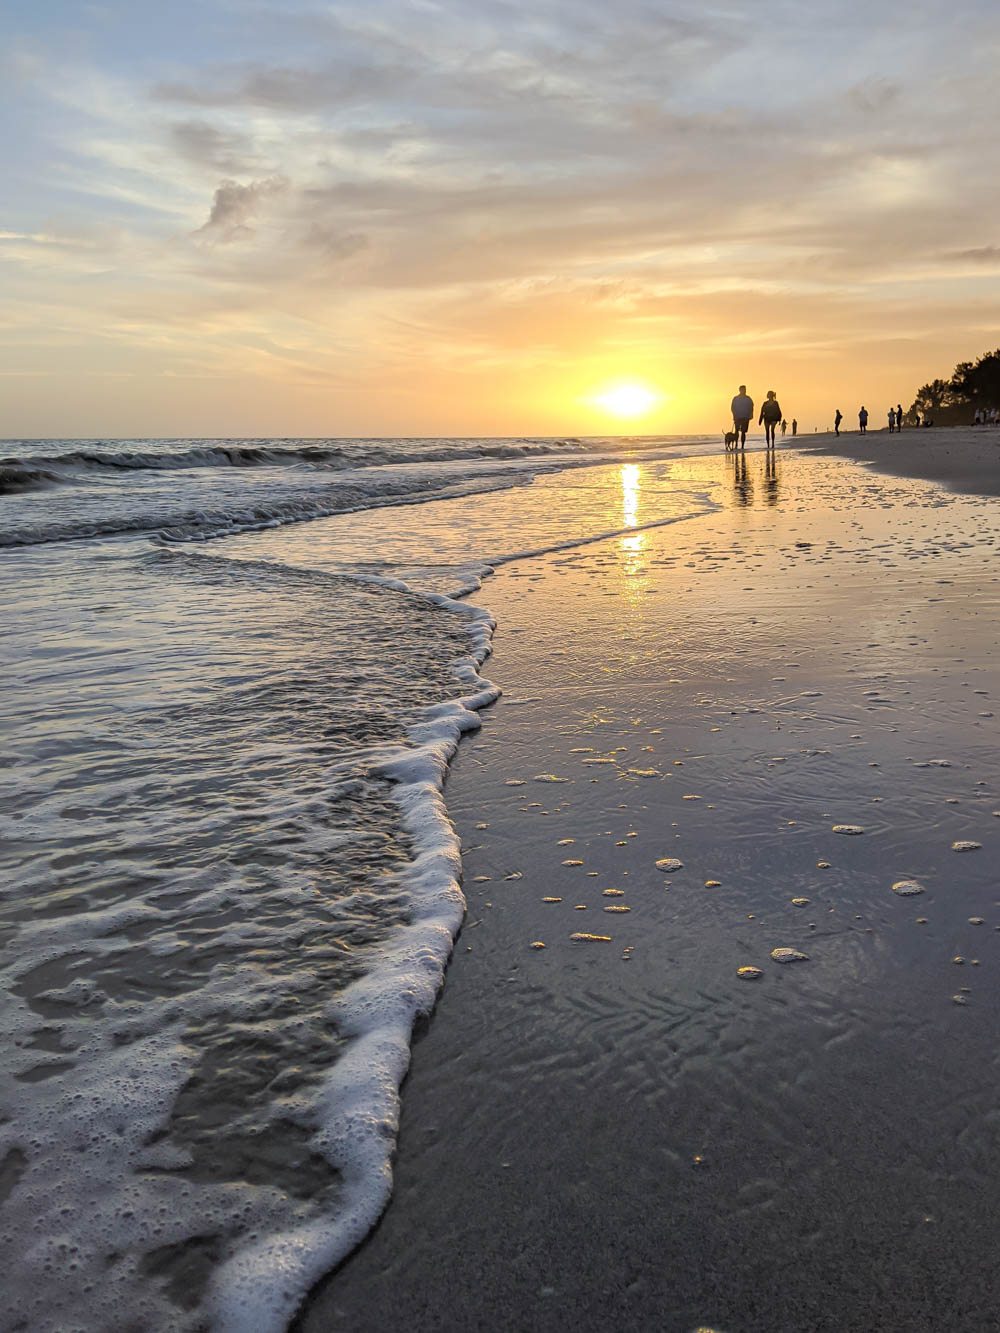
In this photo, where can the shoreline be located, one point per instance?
(962, 458)
(591, 1137)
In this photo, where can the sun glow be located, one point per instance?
(626, 400)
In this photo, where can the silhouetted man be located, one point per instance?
(742, 409)
(863, 420)
(892, 420)
(899, 416)
(836, 421)
(795, 428)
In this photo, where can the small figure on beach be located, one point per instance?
(892, 420)
(770, 415)
(784, 426)
(836, 421)
(863, 420)
(742, 409)
(899, 416)
(795, 428)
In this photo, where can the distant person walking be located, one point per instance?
(836, 421)
(863, 420)
(784, 427)
(770, 415)
(742, 409)
(892, 420)
(899, 416)
(795, 428)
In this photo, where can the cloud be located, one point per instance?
(234, 206)
(292, 89)
(980, 254)
(206, 145)
(874, 94)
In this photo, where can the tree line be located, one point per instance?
(953, 402)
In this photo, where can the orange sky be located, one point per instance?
(421, 218)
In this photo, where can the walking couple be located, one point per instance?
(742, 409)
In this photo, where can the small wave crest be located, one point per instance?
(17, 476)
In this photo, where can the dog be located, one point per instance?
(731, 440)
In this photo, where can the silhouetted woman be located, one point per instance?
(770, 415)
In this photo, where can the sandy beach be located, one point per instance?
(792, 696)
(960, 458)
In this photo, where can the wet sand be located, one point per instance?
(962, 458)
(625, 1133)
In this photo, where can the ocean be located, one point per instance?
(235, 674)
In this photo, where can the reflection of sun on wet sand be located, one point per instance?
(635, 1137)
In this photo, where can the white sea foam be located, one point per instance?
(358, 1107)
(101, 1196)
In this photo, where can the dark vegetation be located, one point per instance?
(953, 402)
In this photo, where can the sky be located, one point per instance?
(404, 217)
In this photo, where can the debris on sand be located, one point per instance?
(907, 888)
(789, 956)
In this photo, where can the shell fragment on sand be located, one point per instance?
(537, 944)
(966, 846)
(852, 829)
(582, 937)
(572, 863)
(800, 902)
(749, 973)
(618, 908)
(613, 893)
(789, 956)
(551, 900)
(907, 888)
(668, 864)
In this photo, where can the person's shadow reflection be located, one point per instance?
(742, 481)
(771, 477)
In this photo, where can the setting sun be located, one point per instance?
(626, 400)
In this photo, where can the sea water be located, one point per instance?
(230, 881)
